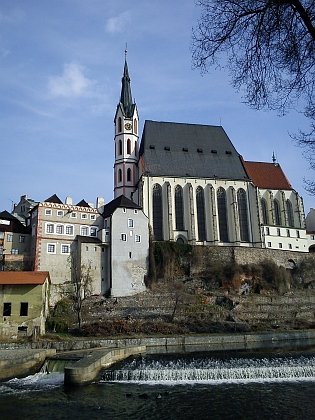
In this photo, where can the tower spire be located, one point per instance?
(125, 96)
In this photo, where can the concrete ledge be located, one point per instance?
(88, 368)
(21, 363)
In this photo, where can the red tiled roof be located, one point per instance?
(267, 175)
(23, 277)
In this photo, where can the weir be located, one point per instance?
(213, 370)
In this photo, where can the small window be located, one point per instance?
(123, 237)
(280, 245)
(152, 146)
(86, 248)
(59, 229)
(74, 215)
(288, 233)
(267, 231)
(22, 239)
(135, 211)
(185, 149)
(95, 249)
(48, 212)
(69, 230)
(167, 148)
(124, 210)
(278, 232)
(93, 231)
(84, 216)
(297, 233)
(105, 223)
(214, 151)
(7, 309)
(84, 230)
(14, 251)
(9, 237)
(60, 213)
(51, 248)
(65, 249)
(199, 151)
(24, 309)
(290, 246)
(130, 223)
(93, 216)
(129, 254)
(228, 152)
(269, 244)
(137, 238)
(50, 228)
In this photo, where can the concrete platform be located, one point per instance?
(18, 363)
(88, 368)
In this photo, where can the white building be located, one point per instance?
(195, 188)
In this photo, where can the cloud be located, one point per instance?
(72, 83)
(118, 23)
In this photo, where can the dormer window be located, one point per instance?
(214, 151)
(167, 148)
(228, 152)
(199, 151)
(152, 146)
(185, 149)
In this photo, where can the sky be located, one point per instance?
(60, 80)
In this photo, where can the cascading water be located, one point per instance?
(213, 370)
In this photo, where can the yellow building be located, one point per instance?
(23, 303)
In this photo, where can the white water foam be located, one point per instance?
(215, 371)
(39, 381)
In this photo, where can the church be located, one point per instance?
(195, 187)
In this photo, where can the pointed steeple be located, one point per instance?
(126, 97)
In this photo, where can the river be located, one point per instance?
(234, 385)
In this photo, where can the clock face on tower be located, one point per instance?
(128, 126)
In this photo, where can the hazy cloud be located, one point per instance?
(118, 23)
(72, 83)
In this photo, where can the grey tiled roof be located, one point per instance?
(189, 150)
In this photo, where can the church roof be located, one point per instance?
(267, 175)
(189, 150)
(122, 202)
(125, 96)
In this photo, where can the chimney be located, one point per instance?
(99, 202)
(69, 201)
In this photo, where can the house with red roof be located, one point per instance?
(23, 303)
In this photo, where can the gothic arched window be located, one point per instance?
(120, 147)
(290, 213)
(242, 213)
(179, 208)
(136, 149)
(135, 126)
(277, 212)
(119, 175)
(264, 211)
(222, 214)
(201, 216)
(128, 147)
(128, 174)
(119, 125)
(157, 213)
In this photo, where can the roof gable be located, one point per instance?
(54, 199)
(119, 202)
(83, 203)
(189, 150)
(267, 175)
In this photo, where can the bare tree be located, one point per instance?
(81, 284)
(268, 47)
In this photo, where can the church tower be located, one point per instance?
(126, 140)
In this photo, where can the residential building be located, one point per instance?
(23, 303)
(126, 233)
(64, 238)
(14, 243)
